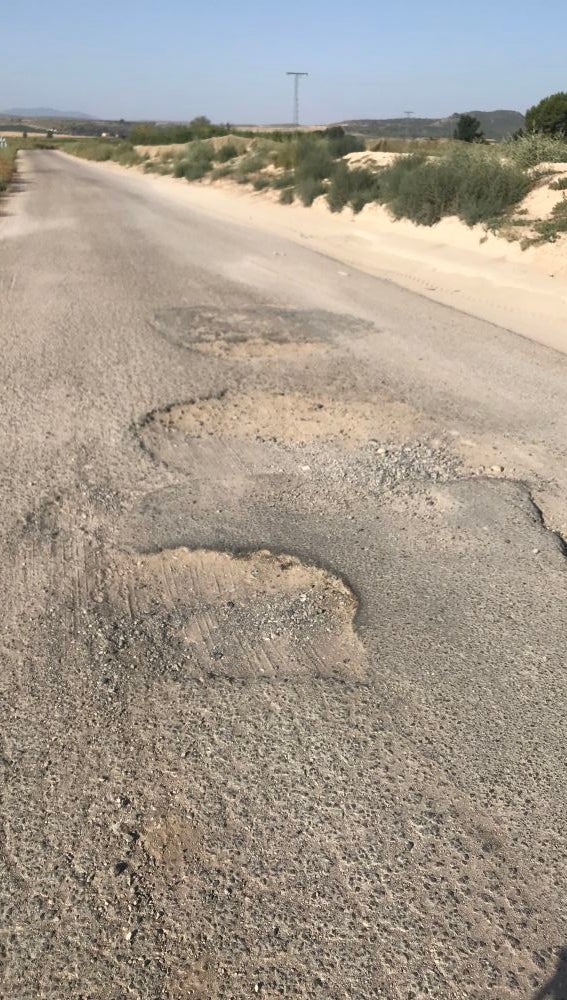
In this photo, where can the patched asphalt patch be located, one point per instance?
(249, 333)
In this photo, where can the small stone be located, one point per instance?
(497, 468)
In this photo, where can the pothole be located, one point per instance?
(249, 333)
(285, 417)
(200, 613)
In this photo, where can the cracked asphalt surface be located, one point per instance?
(283, 636)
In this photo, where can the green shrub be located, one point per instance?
(287, 196)
(393, 175)
(223, 171)
(530, 149)
(559, 185)
(196, 161)
(488, 189)
(339, 188)
(313, 159)
(261, 183)
(309, 188)
(549, 230)
(334, 132)
(264, 147)
(152, 135)
(195, 170)
(428, 147)
(102, 150)
(163, 135)
(285, 156)
(340, 143)
(425, 194)
(226, 153)
(356, 187)
(308, 155)
(473, 184)
(284, 180)
(200, 151)
(7, 165)
(251, 163)
(364, 188)
(349, 144)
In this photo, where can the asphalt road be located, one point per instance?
(283, 631)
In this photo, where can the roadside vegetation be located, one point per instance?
(423, 181)
(198, 129)
(534, 148)
(102, 150)
(8, 155)
(549, 230)
(473, 184)
(431, 147)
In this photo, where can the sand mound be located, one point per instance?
(368, 159)
(540, 202)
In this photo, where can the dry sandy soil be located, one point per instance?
(542, 200)
(283, 689)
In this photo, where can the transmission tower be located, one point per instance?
(409, 115)
(296, 76)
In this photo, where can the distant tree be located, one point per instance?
(334, 132)
(468, 129)
(202, 127)
(550, 115)
(201, 121)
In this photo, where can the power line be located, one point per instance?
(296, 76)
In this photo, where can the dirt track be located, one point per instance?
(283, 690)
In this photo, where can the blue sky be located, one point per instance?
(178, 58)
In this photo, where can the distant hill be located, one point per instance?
(494, 124)
(44, 113)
